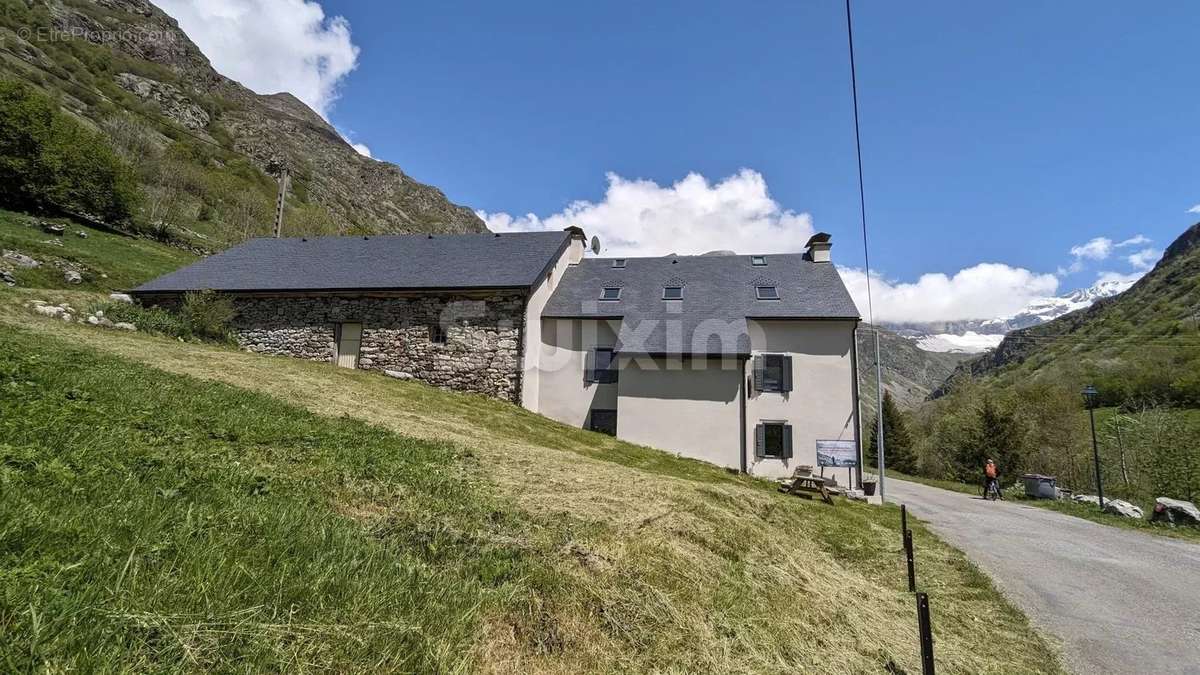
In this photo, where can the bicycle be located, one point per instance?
(993, 490)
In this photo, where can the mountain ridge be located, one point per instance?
(132, 59)
(1156, 319)
(975, 336)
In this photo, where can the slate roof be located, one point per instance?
(417, 261)
(718, 298)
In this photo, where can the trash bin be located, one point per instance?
(1039, 486)
(869, 488)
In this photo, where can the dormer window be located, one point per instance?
(758, 260)
(766, 292)
(672, 292)
(618, 263)
(610, 293)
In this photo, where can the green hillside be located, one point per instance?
(163, 144)
(170, 505)
(105, 260)
(1022, 402)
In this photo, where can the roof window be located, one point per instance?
(766, 292)
(610, 293)
(618, 263)
(758, 260)
(672, 292)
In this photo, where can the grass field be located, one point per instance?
(108, 261)
(168, 505)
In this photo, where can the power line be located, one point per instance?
(862, 207)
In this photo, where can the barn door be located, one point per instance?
(349, 338)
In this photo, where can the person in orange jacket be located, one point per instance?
(990, 473)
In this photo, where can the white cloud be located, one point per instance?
(983, 291)
(362, 149)
(1095, 249)
(272, 45)
(1194, 209)
(694, 215)
(1145, 258)
(1135, 240)
(641, 217)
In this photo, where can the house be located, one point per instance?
(745, 361)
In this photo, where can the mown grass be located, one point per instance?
(110, 261)
(512, 543)
(222, 529)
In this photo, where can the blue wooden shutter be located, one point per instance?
(589, 366)
(760, 440)
(787, 441)
(786, 377)
(758, 372)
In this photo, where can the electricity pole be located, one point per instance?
(283, 186)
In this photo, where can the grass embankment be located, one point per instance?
(107, 261)
(1072, 508)
(173, 505)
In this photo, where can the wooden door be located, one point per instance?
(349, 339)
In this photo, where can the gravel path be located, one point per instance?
(1120, 601)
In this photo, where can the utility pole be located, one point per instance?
(879, 412)
(1090, 394)
(279, 201)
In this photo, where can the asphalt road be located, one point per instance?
(1119, 601)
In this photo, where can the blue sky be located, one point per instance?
(990, 136)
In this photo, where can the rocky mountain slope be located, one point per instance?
(203, 143)
(909, 372)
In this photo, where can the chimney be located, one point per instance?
(818, 248)
(578, 244)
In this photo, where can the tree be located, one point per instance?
(897, 441)
(998, 436)
(50, 161)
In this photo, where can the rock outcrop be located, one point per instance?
(362, 194)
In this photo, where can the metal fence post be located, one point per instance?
(903, 520)
(926, 631)
(908, 553)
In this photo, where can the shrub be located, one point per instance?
(153, 320)
(204, 316)
(208, 315)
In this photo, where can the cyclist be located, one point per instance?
(990, 473)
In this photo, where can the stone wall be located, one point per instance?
(481, 353)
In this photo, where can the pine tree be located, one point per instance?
(897, 442)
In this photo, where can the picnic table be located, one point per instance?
(808, 487)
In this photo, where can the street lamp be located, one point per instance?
(1089, 395)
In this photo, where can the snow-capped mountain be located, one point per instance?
(980, 335)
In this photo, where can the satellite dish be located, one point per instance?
(595, 244)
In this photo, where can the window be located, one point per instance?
(437, 334)
(619, 262)
(758, 260)
(773, 440)
(772, 373)
(601, 366)
(610, 293)
(604, 421)
(672, 292)
(766, 292)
